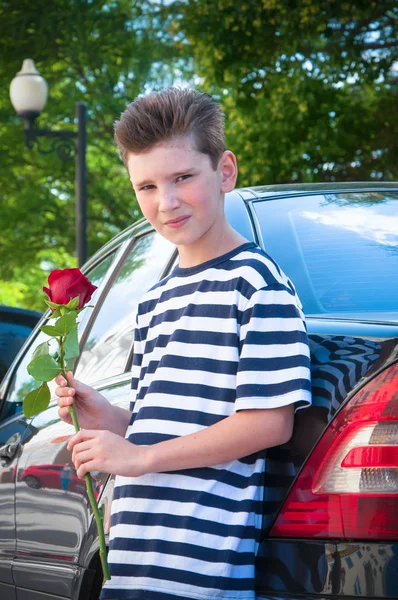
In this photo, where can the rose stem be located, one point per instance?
(99, 519)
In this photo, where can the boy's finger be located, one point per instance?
(65, 415)
(60, 380)
(81, 436)
(70, 378)
(75, 439)
(72, 442)
(65, 402)
(62, 392)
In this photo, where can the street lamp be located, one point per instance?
(28, 92)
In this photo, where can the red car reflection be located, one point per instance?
(60, 477)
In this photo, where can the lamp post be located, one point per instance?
(28, 92)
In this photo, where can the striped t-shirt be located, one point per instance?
(223, 336)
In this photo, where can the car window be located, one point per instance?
(11, 429)
(107, 349)
(340, 250)
(22, 382)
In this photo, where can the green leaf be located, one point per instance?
(56, 313)
(65, 324)
(50, 330)
(73, 303)
(36, 401)
(71, 344)
(41, 350)
(52, 304)
(44, 368)
(70, 364)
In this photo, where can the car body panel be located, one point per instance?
(307, 569)
(238, 217)
(11, 433)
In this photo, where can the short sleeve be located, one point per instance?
(274, 363)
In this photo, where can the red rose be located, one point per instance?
(65, 284)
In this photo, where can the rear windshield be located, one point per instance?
(340, 250)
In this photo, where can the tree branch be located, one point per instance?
(380, 45)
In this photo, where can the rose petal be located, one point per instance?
(82, 288)
(48, 292)
(59, 281)
(66, 284)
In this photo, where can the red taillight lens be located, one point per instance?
(349, 486)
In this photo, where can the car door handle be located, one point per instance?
(8, 451)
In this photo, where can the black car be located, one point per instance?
(330, 526)
(15, 326)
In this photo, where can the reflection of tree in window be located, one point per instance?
(107, 348)
(357, 198)
(137, 258)
(96, 276)
(26, 387)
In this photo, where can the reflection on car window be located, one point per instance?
(109, 342)
(12, 431)
(22, 382)
(340, 250)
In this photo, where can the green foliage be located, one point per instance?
(64, 324)
(41, 350)
(44, 368)
(103, 53)
(73, 303)
(309, 88)
(36, 401)
(71, 345)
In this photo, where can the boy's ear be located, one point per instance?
(229, 171)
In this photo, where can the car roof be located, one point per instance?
(302, 188)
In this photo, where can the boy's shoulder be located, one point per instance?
(247, 263)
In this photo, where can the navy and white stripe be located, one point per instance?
(224, 336)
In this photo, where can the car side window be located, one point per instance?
(22, 382)
(106, 351)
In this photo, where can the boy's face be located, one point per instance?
(182, 196)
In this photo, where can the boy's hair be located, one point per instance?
(168, 114)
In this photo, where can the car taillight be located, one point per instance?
(348, 487)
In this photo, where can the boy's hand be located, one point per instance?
(90, 406)
(106, 452)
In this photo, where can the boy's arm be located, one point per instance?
(119, 420)
(234, 437)
(239, 435)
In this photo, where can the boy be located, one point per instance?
(220, 361)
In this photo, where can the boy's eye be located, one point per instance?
(183, 177)
(146, 187)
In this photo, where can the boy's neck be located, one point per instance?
(196, 254)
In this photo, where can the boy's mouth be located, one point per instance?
(179, 222)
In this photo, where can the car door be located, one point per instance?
(53, 514)
(11, 434)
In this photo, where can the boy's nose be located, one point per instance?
(168, 200)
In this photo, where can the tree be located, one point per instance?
(104, 53)
(309, 87)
